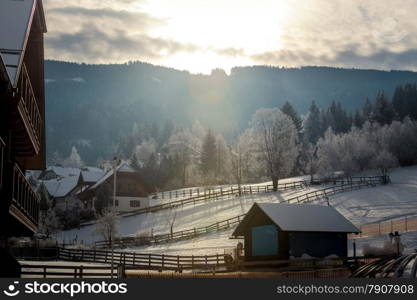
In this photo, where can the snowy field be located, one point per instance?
(367, 205)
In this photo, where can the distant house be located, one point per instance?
(132, 192)
(282, 231)
(60, 183)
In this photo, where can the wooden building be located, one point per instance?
(132, 192)
(22, 115)
(274, 231)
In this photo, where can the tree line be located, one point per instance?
(278, 142)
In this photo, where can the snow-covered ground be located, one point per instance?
(367, 205)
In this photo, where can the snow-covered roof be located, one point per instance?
(123, 167)
(91, 174)
(15, 22)
(64, 172)
(300, 217)
(61, 187)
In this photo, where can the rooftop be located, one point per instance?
(299, 217)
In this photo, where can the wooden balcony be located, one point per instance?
(27, 122)
(24, 201)
(2, 150)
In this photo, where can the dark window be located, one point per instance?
(116, 202)
(134, 203)
(264, 240)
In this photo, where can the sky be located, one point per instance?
(201, 35)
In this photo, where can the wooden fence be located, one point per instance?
(321, 273)
(232, 222)
(144, 261)
(68, 271)
(385, 227)
(210, 195)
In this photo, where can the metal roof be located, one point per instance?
(299, 217)
(16, 18)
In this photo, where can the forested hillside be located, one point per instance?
(98, 107)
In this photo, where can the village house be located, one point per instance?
(273, 231)
(61, 185)
(132, 192)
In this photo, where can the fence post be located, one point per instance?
(81, 272)
(121, 271)
(44, 272)
(134, 258)
(163, 260)
(150, 258)
(406, 225)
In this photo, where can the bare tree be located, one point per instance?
(50, 223)
(276, 137)
(107, 226)
(170, 219)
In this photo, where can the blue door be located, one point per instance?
(264, 240)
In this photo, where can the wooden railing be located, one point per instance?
(2, 147)
(67, 271)
(28, 107)
(232, 222)
(25, 199)
(216, 195)
(144, 261)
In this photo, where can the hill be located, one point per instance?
(94, 106)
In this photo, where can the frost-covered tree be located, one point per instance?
(143, 152)
(383, 161)
(276, 138)
(242, 158)
(184, 148)
(222, 159)
(74, 160)
(107, 226)
(50, 223)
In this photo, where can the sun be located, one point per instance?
(241, 28)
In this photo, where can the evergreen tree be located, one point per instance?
(358, 119)
(367, 110)
(313, 124)
(383, 111)
(399, 103)
(289, 110)
(208, 154)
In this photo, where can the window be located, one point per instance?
(134, 203)
(116, 202)
(264, 240)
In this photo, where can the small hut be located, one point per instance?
(281, 231)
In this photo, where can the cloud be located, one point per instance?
(349, 57)
(369, 34)
(92, 44)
